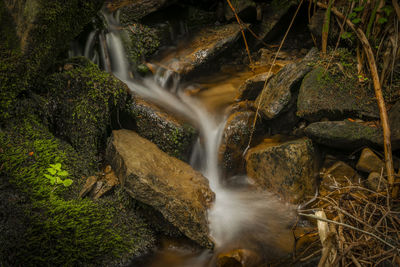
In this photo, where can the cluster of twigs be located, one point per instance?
(356, 226)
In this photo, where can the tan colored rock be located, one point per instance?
(338, 175)
(204, 46)
(285, 168)
(181, 194)
(369, 162)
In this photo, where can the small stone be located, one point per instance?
(376, 182)
(90, 182)
(369, 162)
(338, 175)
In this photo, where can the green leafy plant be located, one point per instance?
(56, 174)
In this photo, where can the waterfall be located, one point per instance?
(239, 215)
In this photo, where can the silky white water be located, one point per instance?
(240, 217)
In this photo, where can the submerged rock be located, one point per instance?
(344, 134)
(171, 134)
(203, 46)
(168, 185)
(251, 88)
(281, 91)
(234, 141)
(285, 168)
(323, 95)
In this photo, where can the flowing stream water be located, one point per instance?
(240, 218)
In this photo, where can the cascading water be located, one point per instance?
(240, 217)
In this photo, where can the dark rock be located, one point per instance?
(281, 91)
(167, 184)
(251, 88)
(234, 142)
(246, 10)
(338, 175)
(394, 122)
(369, 162)
(315, 27)
(133, 10)
(204, 46)
(171, 134)
(272, 14)
(344, 134)
(285, 168)
(334, 97)
(239, 257)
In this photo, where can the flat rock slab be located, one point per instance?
(181, 194)
(204, 46)
(281, 91)
(345, 134)
(334, 97)
(285, 168)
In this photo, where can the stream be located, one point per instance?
(255, 223)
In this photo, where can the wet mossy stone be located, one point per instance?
(335, 96)
(81, 102)
(60, 229)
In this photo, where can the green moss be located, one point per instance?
(81, 102)
(140, 42)
(63, 230)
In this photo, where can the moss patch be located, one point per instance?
(63, 230)
(81, 101)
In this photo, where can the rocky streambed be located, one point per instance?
(187, 152)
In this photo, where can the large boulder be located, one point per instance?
(204, 46)
(181, 194)
(324, 95)
(281, 91)
(285, 168)
(171, 134)
(345, 134)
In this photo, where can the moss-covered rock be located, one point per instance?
(61, 230)
(81, 102)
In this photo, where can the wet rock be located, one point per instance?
(394, 122)
(252, 87)
(133, 10)
(338, 175)
(171, 134)
(345, 134)
(369, 162)
(234, 141)
(239, 257)
(285, 168)
(376, 182)
(167, 184)
(281, 91)
(246, 9)
(334, 97)
(204, 46)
